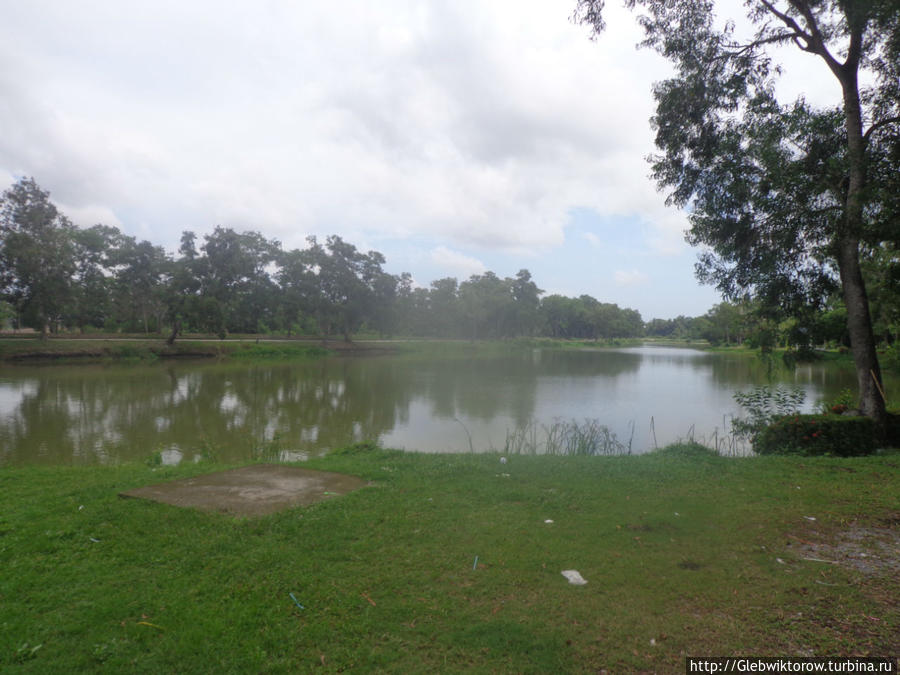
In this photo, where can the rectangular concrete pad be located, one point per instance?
(251, 490)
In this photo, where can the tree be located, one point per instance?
(140, 267)
(37, 255)
(92, 249)
(236, 278)
(445, 307)
(181, 286)
(527, 300)
(785, 195)
(350, 285)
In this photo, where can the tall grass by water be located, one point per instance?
(565, 437)
(589, 437)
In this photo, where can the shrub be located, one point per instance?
(764, 405)
(892, 431)
(817, 435)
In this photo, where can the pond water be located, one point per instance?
(181, 411)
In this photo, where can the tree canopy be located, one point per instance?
(785, 198)
(55, 276)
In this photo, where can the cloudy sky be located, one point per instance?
(453, 136)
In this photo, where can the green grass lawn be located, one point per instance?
(684, 553)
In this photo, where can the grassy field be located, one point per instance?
(685, 553)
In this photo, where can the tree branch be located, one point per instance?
(738, 49)
(878, 125)
(798, 32)
(817, 43)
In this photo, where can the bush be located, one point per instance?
(817, 435)
(892, 431)
(765, 405)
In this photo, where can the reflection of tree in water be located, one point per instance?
(484, 388)
(96, 413)
(90, 414)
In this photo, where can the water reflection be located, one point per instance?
(183, 411)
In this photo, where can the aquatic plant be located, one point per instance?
(564, 437)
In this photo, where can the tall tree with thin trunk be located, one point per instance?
(783, 196)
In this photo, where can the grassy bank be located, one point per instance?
(67, 350)
(684, 553)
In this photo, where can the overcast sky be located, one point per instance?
(454, 137)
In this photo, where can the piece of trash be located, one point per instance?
(548, 521)
(652, 642)
(819, 560)
(677, 514)
(504, 475)
(81, 507)
(780, 561)
(96, 541)
(574, 577)
(475, 564)
(296, 602)
(371, 601)
(503, 460)
(809, 518)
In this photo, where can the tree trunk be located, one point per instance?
(176, 326)
(859, 325)
(859, 320)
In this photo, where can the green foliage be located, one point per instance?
(361, 448)
(839, 404)
(781, 195)
(764, 405)
(817, 435)
(890, 357)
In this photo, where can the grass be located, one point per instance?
(694, 552)
(69, 350)
(564, 437)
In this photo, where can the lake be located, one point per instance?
(185, 410)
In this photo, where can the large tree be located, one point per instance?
(784, 195)
(37, 255)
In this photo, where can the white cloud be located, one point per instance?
(630, 278)
(593, 239)
(455, 264)
(481, 123)
(476, 126)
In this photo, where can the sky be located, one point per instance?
(455, 136)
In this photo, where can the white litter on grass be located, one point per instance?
(548, 521)
(574, 577)
(503, 460)
(780, 561)
(809, 518)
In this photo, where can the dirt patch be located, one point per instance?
(869, 549)
(251, 490)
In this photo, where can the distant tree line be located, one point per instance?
(57, 277)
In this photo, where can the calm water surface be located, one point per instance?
(185, 410)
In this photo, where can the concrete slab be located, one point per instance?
(251, 490)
